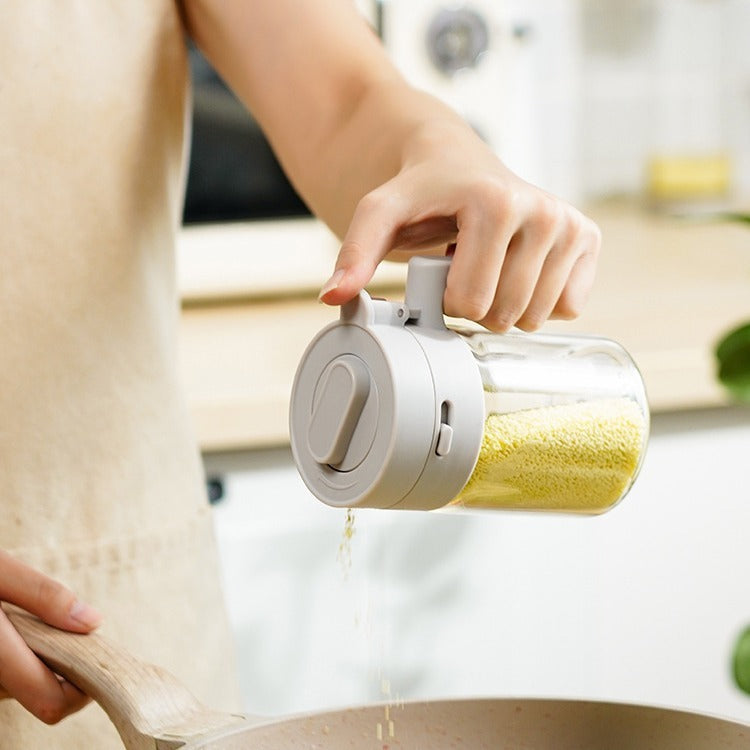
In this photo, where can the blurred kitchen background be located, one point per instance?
(637, 111)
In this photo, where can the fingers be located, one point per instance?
(544, 268)
(41, 595)
(22, 675)
(521, 255)
(556, 288)
(32, 684)
(478, 258)
(578, 286)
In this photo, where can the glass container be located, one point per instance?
(566, 422)
(391, 408)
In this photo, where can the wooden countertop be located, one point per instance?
(666, 289)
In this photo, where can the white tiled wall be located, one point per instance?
(662, 78)
(642, 604)
(593, 88)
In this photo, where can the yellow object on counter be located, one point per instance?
(689, 177)
(575, 457)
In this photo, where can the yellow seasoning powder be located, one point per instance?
(387, 725)
(578, 457)
(344, 555)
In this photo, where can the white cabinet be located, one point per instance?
(640, 605)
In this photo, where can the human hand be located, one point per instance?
(521, 255)
(22, 675)
(391, 168)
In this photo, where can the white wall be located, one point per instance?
(641, 605)
(662, 78)
(593, 89)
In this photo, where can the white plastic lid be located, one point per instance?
(387, 409)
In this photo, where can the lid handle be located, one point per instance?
(425, 287)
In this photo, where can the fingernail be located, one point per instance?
(85, 614)
(332, 283)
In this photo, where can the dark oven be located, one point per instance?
(233, 173)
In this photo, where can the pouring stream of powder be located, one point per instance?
(344, 555)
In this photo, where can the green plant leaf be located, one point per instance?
(741, 661)
(733, 355)
(735, 216)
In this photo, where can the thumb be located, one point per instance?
(41, 595)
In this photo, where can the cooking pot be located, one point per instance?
(151, 709)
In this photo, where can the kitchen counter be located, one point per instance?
(667, 289)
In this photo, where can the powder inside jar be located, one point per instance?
(577, 457)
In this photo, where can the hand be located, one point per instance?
(390, 168)
(521, 256)
(22, 675)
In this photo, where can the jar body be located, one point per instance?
(566, 423)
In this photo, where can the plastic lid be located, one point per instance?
(387, 409)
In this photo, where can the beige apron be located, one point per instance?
(101, 483)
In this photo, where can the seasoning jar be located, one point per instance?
(391, 408)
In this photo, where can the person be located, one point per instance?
(102, 483)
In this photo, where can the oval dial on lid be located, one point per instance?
(341, 395)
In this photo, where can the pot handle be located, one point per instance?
(148, 706)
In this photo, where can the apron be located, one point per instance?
(102, 485)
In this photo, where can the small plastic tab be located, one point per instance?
(343, 391)
(366, 311)
(445, 440)
(359, 310)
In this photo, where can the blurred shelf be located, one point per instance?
(260, 260)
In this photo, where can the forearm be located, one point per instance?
(390, 168)
(336, 112)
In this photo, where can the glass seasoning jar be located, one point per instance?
(391, 408)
